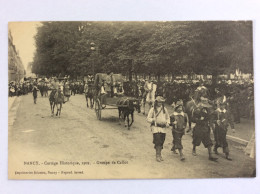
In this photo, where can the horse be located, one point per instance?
(141, 95)
(56, 99)
(89, 94)
(191, 105)
(126, 108)
(189, 108)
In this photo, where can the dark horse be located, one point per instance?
(56, 99)
(126, 108)
(189, 108)
(192, 105)
(194, 102)
(89, 94)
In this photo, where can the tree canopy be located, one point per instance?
(185, 47)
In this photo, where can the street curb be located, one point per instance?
(237, 140)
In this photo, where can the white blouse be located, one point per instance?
(160, 119)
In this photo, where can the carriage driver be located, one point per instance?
(110, 83)
(119, 90)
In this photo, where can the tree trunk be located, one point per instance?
(130, 75)
(214, 78)
(158, 77)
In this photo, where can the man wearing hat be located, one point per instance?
(222, 119)
(159, 118)
(201, 131)
(110, 82)
(34, 91)
(150, 92)
(179, 121)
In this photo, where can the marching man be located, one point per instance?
(179, 121)
(222, 119)
(159, 118)
(201, 131)
(34, 91)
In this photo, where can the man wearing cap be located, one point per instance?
(179, 121)
(201, 131)
(34, 91)
(159, 118)
(110, 82)
(222, 119)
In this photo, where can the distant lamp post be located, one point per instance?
(92, 48)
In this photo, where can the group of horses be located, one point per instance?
(126, 105)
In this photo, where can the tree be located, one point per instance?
(143, 47)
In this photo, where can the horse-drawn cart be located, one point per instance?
(105, 96)
(108, 96)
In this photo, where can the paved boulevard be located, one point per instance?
(103, 149)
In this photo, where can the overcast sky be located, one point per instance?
(23, 38)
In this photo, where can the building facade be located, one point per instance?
(16, 71)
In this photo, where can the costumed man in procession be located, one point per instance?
(159, 118)
(150, 90)
(56, 87)
(35, 91)
(67, 89)
(86, 89)
(46, 88)
(179, 121)
(201, 132)
(222, 119)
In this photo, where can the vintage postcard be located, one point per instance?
(131, 100)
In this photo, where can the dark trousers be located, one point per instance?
(177, 137)
(220, 139)
(201, 134)
(34, 99)
(158, 139)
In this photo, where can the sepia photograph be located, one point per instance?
(131, 100)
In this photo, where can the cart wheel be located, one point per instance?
(98, 109)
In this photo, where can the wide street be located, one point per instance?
(102, 149)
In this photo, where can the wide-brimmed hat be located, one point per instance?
(159, 99)
(178, 104)
(204, 104)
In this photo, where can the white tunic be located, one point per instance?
(150, 97)
(161, 119)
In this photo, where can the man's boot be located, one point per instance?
(194, 151)
(157, 154)
(226, 151)
(216, 150)
(160, 153)
(173, 150)
(181, 155)
(210, 155)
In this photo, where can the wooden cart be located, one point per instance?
(111, 101)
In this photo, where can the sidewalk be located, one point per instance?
(244, 131)
(11, 102)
